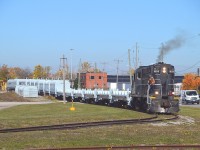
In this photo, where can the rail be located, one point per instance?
(89, 124)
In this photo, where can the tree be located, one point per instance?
(85, 67)
(198, 83)
(132, 71)
(58, 74)
(76, 83)
(46, 72)
(41, 72)
(16, 72)
(38, 72)
(4, 72)
(26, 73)
(191, 82)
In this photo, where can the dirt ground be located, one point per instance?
(10, 99)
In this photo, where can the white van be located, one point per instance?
(190, 96)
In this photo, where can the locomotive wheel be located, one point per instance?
(144, 106)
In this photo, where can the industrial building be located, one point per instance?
(91, 80)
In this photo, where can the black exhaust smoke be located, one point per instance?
(170, 45)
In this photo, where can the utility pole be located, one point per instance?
(95, 75)
(79, 75)
(104, 63)
(198, 71)
(118, 61)
(63, 65)
(129, 60)
(136, 59)
(71, 69)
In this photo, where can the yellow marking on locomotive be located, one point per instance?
(176, 98)
(152, 97)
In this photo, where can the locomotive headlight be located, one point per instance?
(156, 92)
(164, 69)
(171, 93)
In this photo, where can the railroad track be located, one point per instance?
(137, 147)
(88, 124)
(133, 147)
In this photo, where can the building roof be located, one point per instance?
(178, 79)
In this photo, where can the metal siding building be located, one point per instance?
(123, 82)
(178, 79)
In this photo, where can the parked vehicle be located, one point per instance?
(190, 96)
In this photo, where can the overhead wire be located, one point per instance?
(191, 67)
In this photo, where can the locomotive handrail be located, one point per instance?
(148, 98)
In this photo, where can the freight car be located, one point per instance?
(160, 97)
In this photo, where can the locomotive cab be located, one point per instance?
(159, 96)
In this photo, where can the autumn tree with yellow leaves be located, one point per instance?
(41, 72)
(191, 82)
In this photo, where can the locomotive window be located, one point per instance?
(139, 75)
(171, 70)
(146, 70)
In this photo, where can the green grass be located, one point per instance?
(58, 113)
(116, 135)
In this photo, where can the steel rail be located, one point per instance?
(88, 124)
(140, 147)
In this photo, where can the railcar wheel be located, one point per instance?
(135, 104)
(144, 105)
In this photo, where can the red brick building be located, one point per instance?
(91, 80)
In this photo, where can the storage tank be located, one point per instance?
(27, 91)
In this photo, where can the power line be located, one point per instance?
(189, 67)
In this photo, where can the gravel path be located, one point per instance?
(4, 105)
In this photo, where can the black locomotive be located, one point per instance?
(156, 98)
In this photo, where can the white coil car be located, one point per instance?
(190, 96)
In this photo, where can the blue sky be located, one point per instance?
(36, 32)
